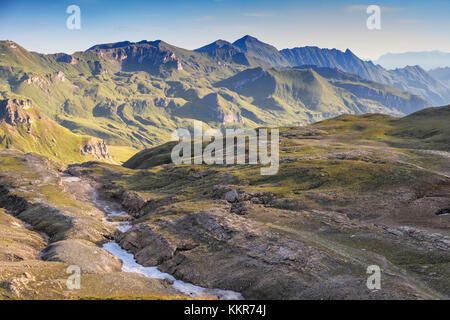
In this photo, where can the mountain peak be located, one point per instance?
(247, 39)
(348, 52)
(218, 44)
(263, 52)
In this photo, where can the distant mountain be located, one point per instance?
(333, 58)
(317, 93)
(136, 93)
(225, 51)
(427, 60)
(261, 51)
(261, 54)
(411, 79)
(417, 80)
(442, 74)
(154, 57)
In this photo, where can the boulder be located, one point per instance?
(231, 196)
(82, 253)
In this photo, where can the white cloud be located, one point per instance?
(257, 14)
(363, 7)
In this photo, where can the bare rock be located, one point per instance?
(231, 196)
(96, 148)
(13, 111)
(85, 254)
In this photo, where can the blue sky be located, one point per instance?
(413, 25)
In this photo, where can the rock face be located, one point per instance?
(96, 148)
(13, 111)
(66, 58)
(17, 243)
(141, 56)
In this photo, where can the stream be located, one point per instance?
(129, 263)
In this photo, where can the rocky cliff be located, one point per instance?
(12, 111)
(96, 149)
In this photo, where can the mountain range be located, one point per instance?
(405, 79)
(134, 94)
(363, 175)
(426, 59)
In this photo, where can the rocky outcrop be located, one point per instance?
(58, 77)
(96, 148)
(66, 58)
(13, 111)
(82, 253)
(213, 248)
(17, 243)
(141, 56)
(53, 213)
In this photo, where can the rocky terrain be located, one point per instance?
(45, 229)
(351, 192)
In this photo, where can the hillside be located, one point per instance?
(350, 192)
(428, 128)
(442, 74)
(312, 96)
(425, 129)
(24, 128)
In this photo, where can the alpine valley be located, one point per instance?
(86, 177)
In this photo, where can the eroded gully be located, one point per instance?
(120, 219)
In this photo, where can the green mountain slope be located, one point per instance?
(136, 94)
(428, 128)
(425, 129)
(24, 128)
(306, 94)
(411, 79)
(224, 51)
(261, 51)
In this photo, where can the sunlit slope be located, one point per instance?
(24, 128)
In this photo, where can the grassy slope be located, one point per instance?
(313, 164)
(428, 128)
(47, 138)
